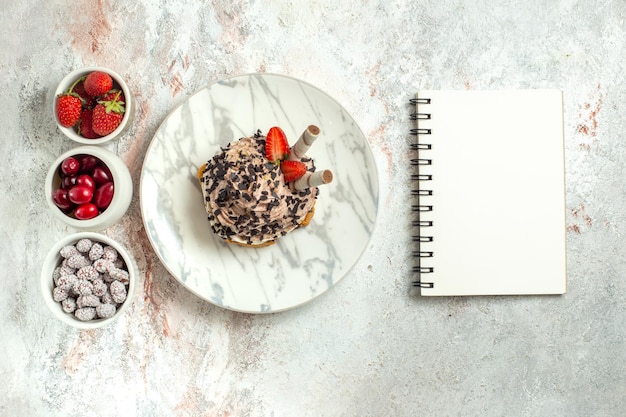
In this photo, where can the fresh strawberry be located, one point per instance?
(88, 101)
(85, 128)
(114, 94)
(292, 170)
(98, 83)
(107, 115)
(276, 145)
(69, 107)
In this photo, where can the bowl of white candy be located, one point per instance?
(88, 280)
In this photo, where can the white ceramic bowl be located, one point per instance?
(122, 195)
(129, 105)
(54, 259)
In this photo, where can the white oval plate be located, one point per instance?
(300, 266)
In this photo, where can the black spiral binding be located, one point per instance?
(420, 254)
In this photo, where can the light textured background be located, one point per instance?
(368, 347)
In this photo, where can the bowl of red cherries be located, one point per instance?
(89, 188)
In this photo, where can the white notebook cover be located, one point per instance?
(498, 192)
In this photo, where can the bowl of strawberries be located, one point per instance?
(93, 105)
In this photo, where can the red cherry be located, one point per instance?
(103, 195)
(68, 182)
(86, 180)
(70, 166)
(80, 194)
(101, 175)
(62, 200)
(88, 163)
(86, 211)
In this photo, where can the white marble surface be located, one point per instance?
(368, 347)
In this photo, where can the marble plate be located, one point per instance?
(302, 265)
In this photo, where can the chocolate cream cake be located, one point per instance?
(247, 198)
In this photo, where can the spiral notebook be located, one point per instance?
(489, 192)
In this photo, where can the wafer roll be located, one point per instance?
(313, 179)
(306, 139)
